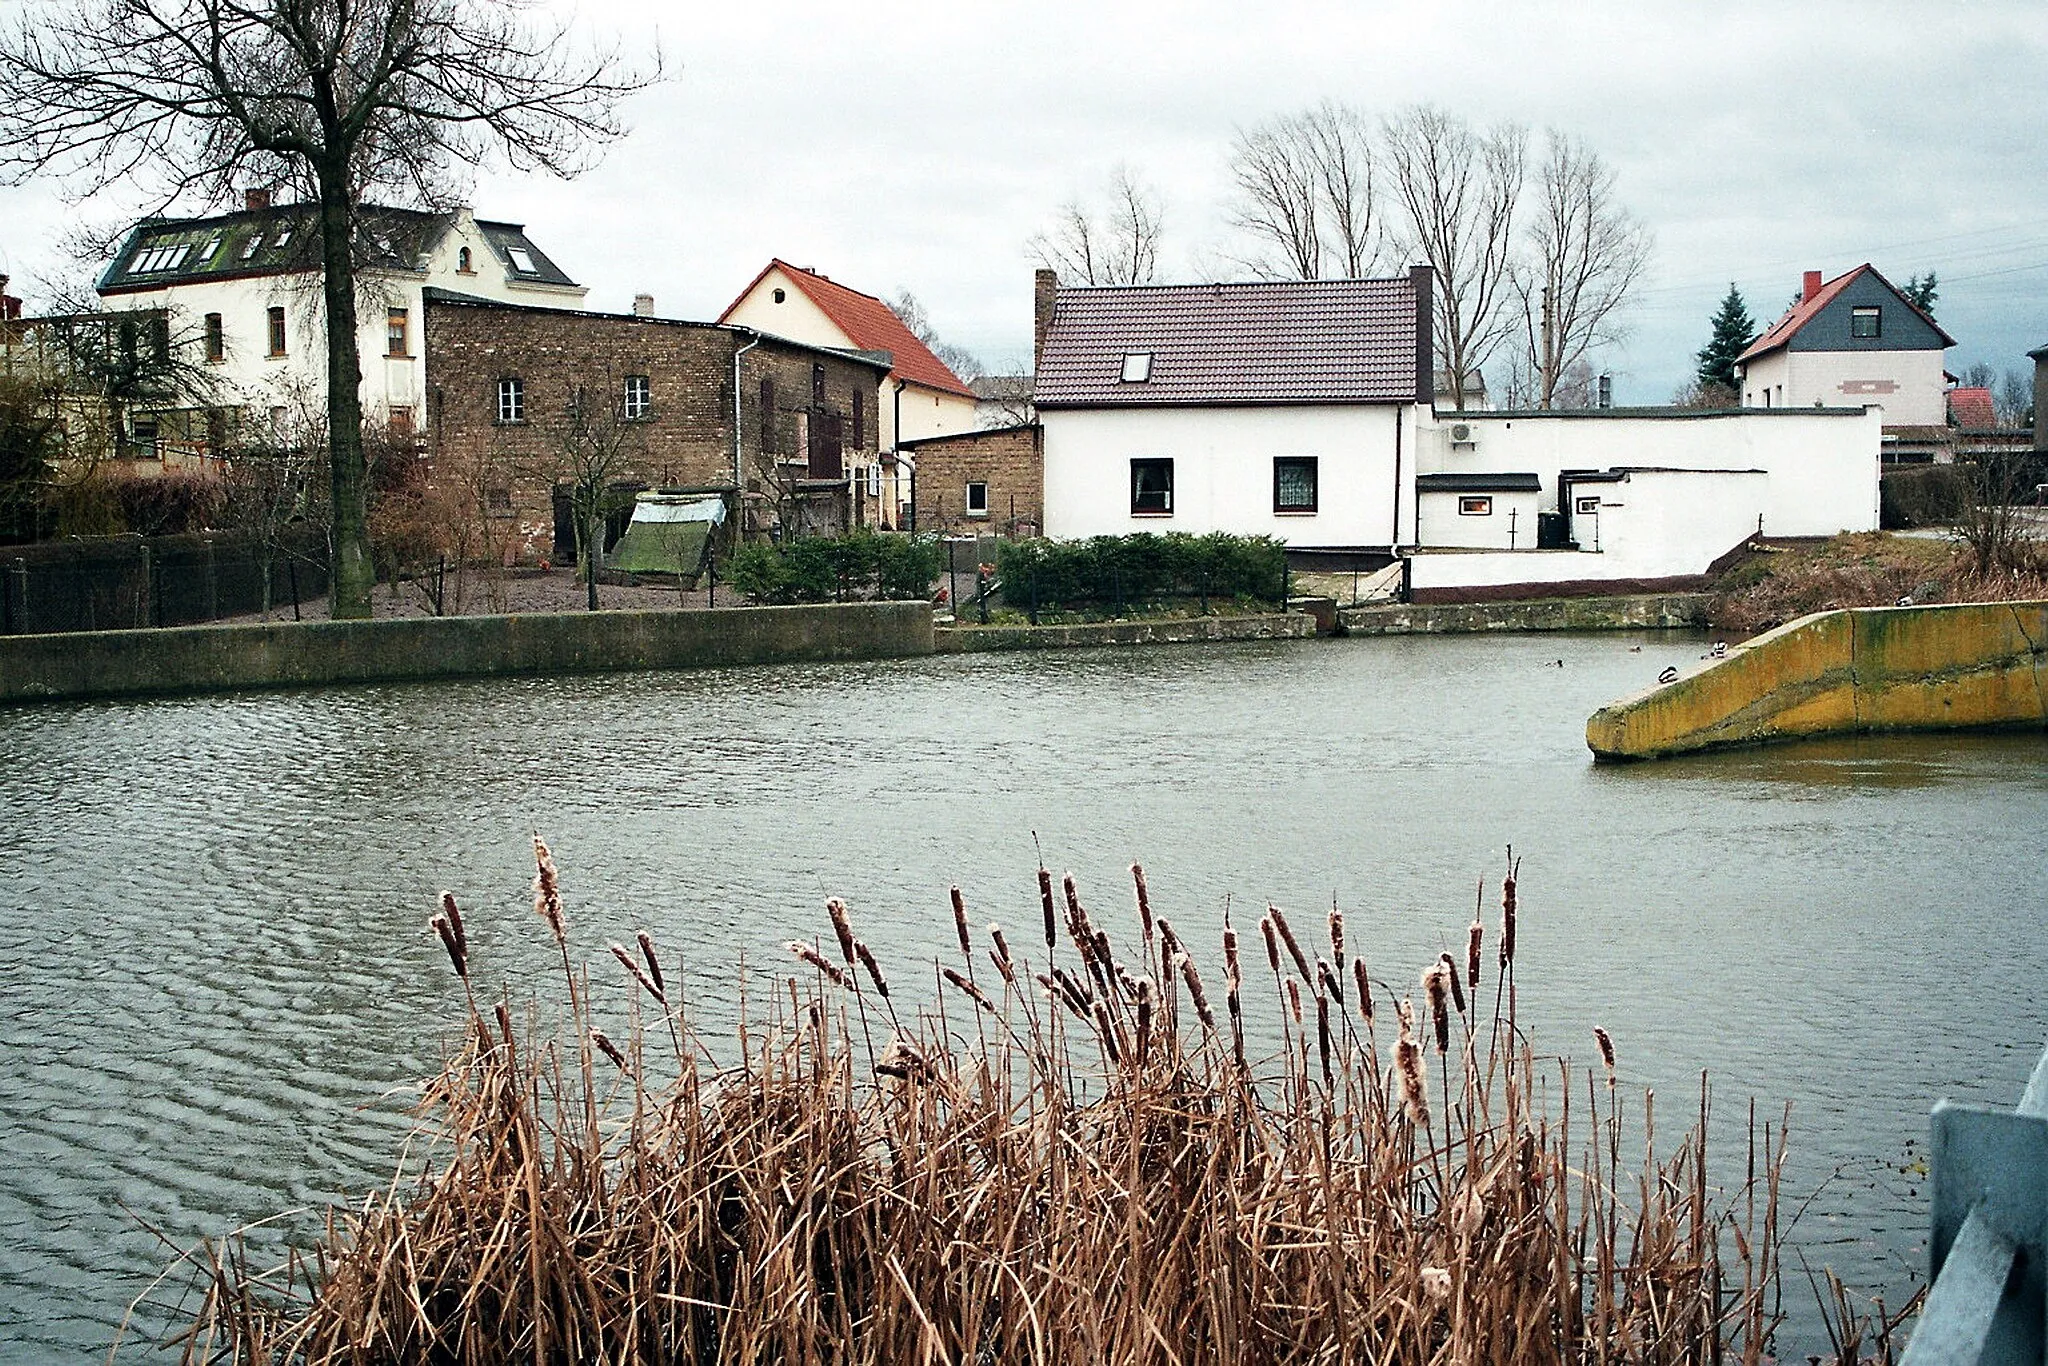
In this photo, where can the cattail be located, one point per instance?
(1408, 1066)
(1336, 934)
(1468, 1212)
(1606, 1051)
(1105, 1028)
(1472, 944)
(632, 966)
(902, 1059)
(1507, 912)
(979, 996)
(547, 892)
(818, 960)
(960, 922)
(1144, 1017)
(1272, 943)
(453, 943)
(1077, 918)
(836, 908)
(646, 942)
(1233, 975)
(1195, 992)
(1001, 953)
(1328, 980)
(1450, 966)
(1045, 903)
(1144, 899)
(504, 1015)
(867, 960)
(1169, 939)
(1294, 999)
(1323, 1040)
(1436, 1283)
(1076, 988)
(1439, 1006)
(1293, 945)
(454, 914)
(609, 1049)
(1364, 982)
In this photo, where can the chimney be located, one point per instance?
(2039, 356)
(1045, 292)
(1809, 286)
(256, 200)
(643, 305)
(1423, 278)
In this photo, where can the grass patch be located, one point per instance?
(1860, 569)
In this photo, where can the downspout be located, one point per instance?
(1400, 420)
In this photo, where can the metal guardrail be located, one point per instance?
(1989, 1241)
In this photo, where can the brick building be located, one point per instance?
(507, 381)
(990, 482)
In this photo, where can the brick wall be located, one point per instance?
(685, 439)
(1010, 461)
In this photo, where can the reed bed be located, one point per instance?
(1085, 1145)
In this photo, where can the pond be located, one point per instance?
(218, 980)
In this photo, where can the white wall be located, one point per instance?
(926, 412)
(1223, 470)
(1653, 524)
(1822, 464)
(1510, 526)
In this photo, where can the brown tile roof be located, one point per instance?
(1804, 311)
(869, 324)
(1970, 407)
(1294, 341)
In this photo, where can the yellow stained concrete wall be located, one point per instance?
(1869, 669)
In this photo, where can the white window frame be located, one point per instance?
(511, 401)
(1475, 505)
(972, 510)
(637, 403)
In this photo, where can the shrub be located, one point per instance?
(1922, 495)
(757, 570)
(862, 564)
(1142, 568)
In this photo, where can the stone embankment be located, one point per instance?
(1632, 612)
(1868, 669)
(1161, 631)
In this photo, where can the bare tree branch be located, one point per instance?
(1118, 245)
(1306, 195)
(1585, 252)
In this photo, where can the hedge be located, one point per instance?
(860, 565)
(1142, 568)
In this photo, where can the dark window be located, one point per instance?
(860, 418)
(216, 432)
(511, 400)
(398, 333)
(977, 499)
(216, 339)
(817, 386)
(1294, 483)
(1475, 507)
(767, 416)
(276, 331)
(1866, 322)
(1152, 488)
(779, 296)
(826, 456)
(143, 440)
(1589, 505)
(462, 262)
(639, 401)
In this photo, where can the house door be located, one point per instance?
(826, 455)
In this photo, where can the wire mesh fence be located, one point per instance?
(131, 582)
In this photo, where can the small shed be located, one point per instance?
(670, 533)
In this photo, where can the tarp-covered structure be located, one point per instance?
(669, 534)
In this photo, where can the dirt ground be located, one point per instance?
(524, 590)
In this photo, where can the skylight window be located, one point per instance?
(522, 260)
(212, 246)
(284, 236)
(161, 258)
(1137, 367)
(254, 245)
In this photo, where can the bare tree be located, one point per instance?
(1457, 192)
(1306, 195)
(958, 359)
(337, 98)
(1585, 252)
(1114, 245)
(592, 447)
(2014, 400)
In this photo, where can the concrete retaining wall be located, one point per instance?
(957, 639)
(1647, 611)
(1870, 669)
(287, 654)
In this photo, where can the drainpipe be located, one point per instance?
(738, 483)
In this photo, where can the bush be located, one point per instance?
(169, 504)
(1922, 495)
(1142, 568)
(860, 565)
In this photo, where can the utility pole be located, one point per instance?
(1546, 361)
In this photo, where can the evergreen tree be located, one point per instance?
(1921, 293)
(1733, 332)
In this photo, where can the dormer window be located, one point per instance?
(1137, 367)
(1866, 322)
(522, 260)
(462, 262)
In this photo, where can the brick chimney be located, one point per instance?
(643, 305)
(256, 200)
(1045, 292)
(1423, 278)
(1809, 286)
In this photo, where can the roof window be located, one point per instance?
(253, 245)
(161, 258)
(1137, 367)
(522, 260)
(212, 245)
(284, 236)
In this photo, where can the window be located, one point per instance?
(1475, 507)
(780, 296)
(874, 481)
(817, 385)
(284, 236)
(160, 259)
(253, 245)
(639, 399)
(522, 260)
(276, 316)
(977, 499)
(462, 265)
(142, 440)
(397, 333)
(400, 424)
(1294, 483)
(860, 418)
(511, 400)
(1866, 322)
(498, 498)
(1588, 506)
(216, 339)
(1137, 367)
(206, 252)
(1151, 488)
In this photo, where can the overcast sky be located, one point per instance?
(898, 146)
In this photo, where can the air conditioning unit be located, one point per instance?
(1462, 434)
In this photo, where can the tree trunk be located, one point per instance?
(593, 552)
(353, 575)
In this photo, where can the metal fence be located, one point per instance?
(128, 582)
(1985, 1302)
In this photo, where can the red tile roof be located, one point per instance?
(1297, 341)
(1803, 312)
(1970, 408)
(869, 324)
